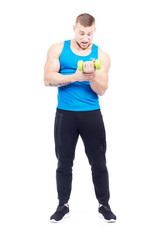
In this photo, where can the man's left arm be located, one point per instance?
(100, 84)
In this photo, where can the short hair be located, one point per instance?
(85, 19)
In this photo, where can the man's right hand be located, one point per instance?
(82, 76)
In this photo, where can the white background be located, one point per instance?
(129, 32)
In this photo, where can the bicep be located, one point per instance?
(105, 65)
(52, 63)
(106, 62)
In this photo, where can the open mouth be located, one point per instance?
(84, 43)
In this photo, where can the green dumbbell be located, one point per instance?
(97, 65)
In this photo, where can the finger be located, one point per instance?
(92, 65)
(89, 66)
(84, 66)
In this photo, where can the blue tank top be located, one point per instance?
(77, 96)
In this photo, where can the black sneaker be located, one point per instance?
(61, 211)
(106, 213)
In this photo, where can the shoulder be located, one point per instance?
(103, 55)
(55, 50)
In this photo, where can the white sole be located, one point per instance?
(108, 221)
(66, 216)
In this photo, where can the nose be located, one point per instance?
(85, 38)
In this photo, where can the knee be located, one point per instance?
(98, 169)
(64, 168)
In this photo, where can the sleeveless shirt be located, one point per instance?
(77, 96)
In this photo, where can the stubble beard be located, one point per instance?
(82, 47)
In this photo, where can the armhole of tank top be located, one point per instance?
(95, 50)
(62, 49)
(97, 53)
(65, 44)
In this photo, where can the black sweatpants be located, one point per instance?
(89, 125)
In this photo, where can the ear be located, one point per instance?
(94, 29)
(74, 27)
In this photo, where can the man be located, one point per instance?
(78, 112)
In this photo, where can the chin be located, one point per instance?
(84, 46)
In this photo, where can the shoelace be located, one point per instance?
(60, 208)
(106, 207)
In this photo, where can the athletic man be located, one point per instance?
(78, 112)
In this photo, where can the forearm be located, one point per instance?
(100, 84)
(58, 80)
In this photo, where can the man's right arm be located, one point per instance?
(52, 77)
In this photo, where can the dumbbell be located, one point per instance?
(97, 65)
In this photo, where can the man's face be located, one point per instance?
(84, 35)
